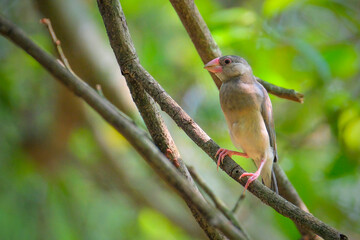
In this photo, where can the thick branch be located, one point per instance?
(137, 137)
(121, 43)
(208, 49)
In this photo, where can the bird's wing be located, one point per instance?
(267, 114)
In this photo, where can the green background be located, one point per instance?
(66, 191)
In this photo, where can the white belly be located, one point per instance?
(248, 132)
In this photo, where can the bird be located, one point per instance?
(248, 112)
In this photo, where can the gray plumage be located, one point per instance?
(248, 113)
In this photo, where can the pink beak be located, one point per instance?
(213, 66)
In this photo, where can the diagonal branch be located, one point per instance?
(121, 43)
(208, 49)
(137, 137)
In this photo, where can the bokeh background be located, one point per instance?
(65, 174)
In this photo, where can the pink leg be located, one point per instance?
(222, 152)
(253, 176)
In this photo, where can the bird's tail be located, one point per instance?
(268, 176)
(274, 185)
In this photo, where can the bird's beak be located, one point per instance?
(213, 66)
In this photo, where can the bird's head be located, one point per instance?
(228, 67)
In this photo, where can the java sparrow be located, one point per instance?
(248, 113)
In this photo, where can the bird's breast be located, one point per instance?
(238, 96)
(241, 104)
(248, 132)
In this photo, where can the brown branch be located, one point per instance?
(137, 137)
(122, 45)
(285, 93)
(57, 44)
(208, 49)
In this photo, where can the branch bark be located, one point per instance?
(208, 49)
(122, 45)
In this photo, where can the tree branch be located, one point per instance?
(137, 137)
(208, 49)
(123, 48)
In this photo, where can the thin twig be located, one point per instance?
(237, 204)
(57, 44)
(99, 90)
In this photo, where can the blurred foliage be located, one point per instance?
(309, 45)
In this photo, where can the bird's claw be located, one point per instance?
(253, 177)
(222, 152)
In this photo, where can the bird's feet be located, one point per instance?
(252, 177)
(222, 152)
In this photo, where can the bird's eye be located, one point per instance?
(227, 61)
